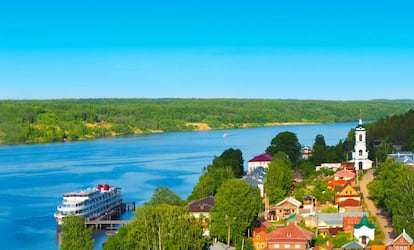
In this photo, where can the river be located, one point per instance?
(34, 177)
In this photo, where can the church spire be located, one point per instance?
(360, 117)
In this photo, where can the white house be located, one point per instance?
(364, 231)
(261, 160)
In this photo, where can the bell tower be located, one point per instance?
(360, 154)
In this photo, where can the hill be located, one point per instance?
(35, 121)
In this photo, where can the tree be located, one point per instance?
(75, 235)
(279, 177)
(163, 195)
(236, 205)
(231, 158)
(319, 150)
(288, 143)
(210, 181)
(160, 227)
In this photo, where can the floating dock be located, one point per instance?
(111, 219)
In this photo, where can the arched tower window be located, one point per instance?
(360, 165)
(360, 137)
(360, 152)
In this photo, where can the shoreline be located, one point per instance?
(198, 126)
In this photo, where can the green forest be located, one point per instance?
(37, 121)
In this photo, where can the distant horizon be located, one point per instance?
(319, 50)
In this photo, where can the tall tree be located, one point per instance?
(75, 235)
(210, 181)
(279, 177)
(319, 150)
(288, 143)
(236, 205)
(163, 195)
(231, 158)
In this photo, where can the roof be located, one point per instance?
(341, 188)
(345, 174)
(261, 158)
(290, 233)
(349, 222)
(349, 203)
(403, 235)
(291, 200)
(202, 205)
(335, 219)
(352, 245)
(333, 183)
(220, 246)
(364, 222)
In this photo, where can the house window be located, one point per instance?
(276, 246)
(287, 245)
(297, 246)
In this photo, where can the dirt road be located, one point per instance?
(382, 218)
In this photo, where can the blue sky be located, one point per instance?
(328, 50)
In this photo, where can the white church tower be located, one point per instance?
(360, 154)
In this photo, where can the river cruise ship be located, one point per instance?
(89, 203)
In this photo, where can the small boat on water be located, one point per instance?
(226, 135)
(89, 203)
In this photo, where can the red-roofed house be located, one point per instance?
(289, 237)
(346, 192)
(261, 160)
(401, 242)
(259, 238)
(344, 175)
(349, 222)
(350, 205)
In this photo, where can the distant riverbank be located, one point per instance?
(46, 121)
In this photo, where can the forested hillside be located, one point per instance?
(34, 121)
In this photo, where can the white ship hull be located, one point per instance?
(89, 203)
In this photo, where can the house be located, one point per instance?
(256, 178)
(259, 238)
(349, 205)
(364, 231)
(346, 192)
(353, 245)
(201, 207)
(401, 242)
(329, 166)
(348, 223)
(261, 160)
(289, 237)
(309, 205)
(405, 157)
(284, 209)
(331, 223)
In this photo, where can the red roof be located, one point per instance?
(350, 221)
(349, 203)
(261, 158)
(290, 233)
(345, 174)
(333, 183)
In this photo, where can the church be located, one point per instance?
(360, 154)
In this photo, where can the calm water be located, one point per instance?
(33, 177)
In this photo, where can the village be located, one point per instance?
(295, 224)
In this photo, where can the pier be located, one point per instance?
(111, 219)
